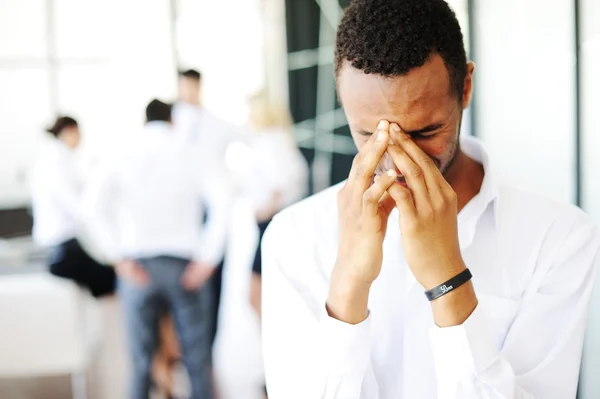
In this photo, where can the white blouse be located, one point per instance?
(275, 164)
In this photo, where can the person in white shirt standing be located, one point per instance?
(57, 212)
(147, 209)
(278, 175)
(507, 274)
(210, 136)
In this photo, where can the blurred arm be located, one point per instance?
(216, 195)
(101, 201)
(297, 183)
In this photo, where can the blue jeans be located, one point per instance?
(191, 313)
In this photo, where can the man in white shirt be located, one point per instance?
(344, 314)
(210, 136)
(146, 211)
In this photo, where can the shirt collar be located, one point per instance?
(487, 197)
(60, 149)
(157, 127)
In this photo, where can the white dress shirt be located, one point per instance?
(276, 165)
(210, 133)
(56, 196)
(150, 202)
(533, 263)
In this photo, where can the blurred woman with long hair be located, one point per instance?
(57, 191)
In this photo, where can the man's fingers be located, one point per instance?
(387, 204)
(373, 195)
(413, 173)
(195, 276)
(140, 275)
(431, 174)
(403, 199)
(368, 158)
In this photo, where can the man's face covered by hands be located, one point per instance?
(420, 102)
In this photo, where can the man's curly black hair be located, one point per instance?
(392, 37)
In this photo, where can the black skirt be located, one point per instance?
(69, 260)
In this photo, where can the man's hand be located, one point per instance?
(195, 275)
(428, 222)
(133, 272)
(363, 211)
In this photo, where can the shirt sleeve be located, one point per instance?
(216, 194)
(307, 354)
(65, 188)
(541, 354)
(297, 181)
(100, 203)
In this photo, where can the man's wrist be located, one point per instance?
(455, 307)
(442, 275)
(348, 299)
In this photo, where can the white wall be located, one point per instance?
(590, 129)
(525, 87)
(525, 111)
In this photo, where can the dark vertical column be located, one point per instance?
(302, 20)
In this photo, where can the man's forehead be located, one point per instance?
(414, 97)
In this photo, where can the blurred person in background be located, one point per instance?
(147, 209)
(210, 136)
(277, 178)
(57, 192)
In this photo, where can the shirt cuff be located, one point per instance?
(463, 350)
(347, 348)
(208, 258)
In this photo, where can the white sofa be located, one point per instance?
(49, 327)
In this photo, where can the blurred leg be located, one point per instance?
(256, 294)
(70, 261)
(142, 308)
(192, 312)
(166, 356)
(216, 283)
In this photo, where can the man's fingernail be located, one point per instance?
(381, 135)
(382, 125)
(391, 173)
(395, 127)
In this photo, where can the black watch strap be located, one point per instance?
(449, 285)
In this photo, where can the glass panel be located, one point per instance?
(24, 112)
(22, 28)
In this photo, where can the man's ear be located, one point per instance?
(468, 86)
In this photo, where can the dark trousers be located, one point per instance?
(216, 284)
(257, 264)
(69, 260)
(192, 315)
